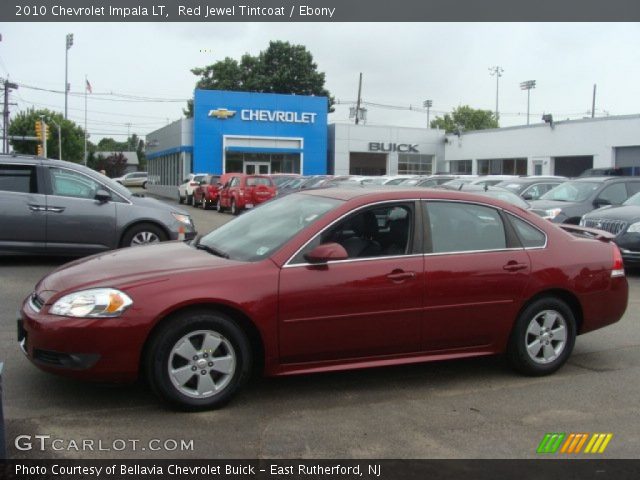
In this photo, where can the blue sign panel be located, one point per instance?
(235, 129)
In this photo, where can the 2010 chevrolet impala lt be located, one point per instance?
(328, 280)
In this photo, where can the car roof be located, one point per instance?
(608, 179)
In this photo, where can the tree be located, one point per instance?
(281, 68)
(24, 124)
(114, 165)
(465, 118)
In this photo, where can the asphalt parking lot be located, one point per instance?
(473, 408)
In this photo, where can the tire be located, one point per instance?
(143, 234)
(543, 337)
(180, 346)
(144, 185)
(189, 199)
(180, 199)
(234, 208)
(219, 206)
(193, 202)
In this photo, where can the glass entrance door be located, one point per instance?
(257, 168)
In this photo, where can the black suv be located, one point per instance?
(568, 202)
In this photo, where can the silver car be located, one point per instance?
(58, 207)
(133, 179)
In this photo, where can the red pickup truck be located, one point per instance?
(245, 191)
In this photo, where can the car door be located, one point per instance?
(22, 208)
(76, 221)
(366, 306)
(475, 275)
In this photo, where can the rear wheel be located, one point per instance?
(543, 337)
(234, 207)
(219, 206)
(144, 185)
(198, 360)
(194, 203)
(180, 198)
(189, 199)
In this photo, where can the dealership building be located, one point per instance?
(274, 133)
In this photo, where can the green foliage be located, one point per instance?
(465, 118)
(114, 165)
(23, 124)
(281, 68)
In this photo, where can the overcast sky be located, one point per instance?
(402, 65)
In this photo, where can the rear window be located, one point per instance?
(18, 178)
(255, 181)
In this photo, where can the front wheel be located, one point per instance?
(198, 360)
(543, 337)
(234, 207)
(143, 234)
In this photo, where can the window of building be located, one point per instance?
(502, 166)
(461, 167)
(415, 164)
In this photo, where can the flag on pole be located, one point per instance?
(88, 87)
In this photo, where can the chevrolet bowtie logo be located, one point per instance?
(222, 113)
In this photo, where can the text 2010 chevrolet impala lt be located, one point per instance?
(327, 280)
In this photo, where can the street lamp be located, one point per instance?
(528, 85)
(497, 71)
(66, 71)
(428, 104)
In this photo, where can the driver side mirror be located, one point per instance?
(326, 252)
(527, 196)
(601, 202)
(102, 196)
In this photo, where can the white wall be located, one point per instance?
(597, 137)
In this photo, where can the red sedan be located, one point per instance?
(242, 192)
(207, 193)
(325, 280)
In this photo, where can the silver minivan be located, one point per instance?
(57, 207)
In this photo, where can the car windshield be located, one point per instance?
(258, 233)
(571, 191)
(633, 200)
(514, 187)
(199, 178)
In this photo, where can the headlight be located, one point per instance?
(634, 228)
(96, 303)
(552, 213)
(583, 222)
(186, 219)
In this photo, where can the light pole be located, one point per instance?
(528, 85)
(428, 104)
(66, 71)
(497, 71)
(59, 137)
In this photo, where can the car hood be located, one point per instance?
(629, 213)
(130, 266)
(154, 203)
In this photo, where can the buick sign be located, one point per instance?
(393, 147)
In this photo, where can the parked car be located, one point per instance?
(133, 179)
(531, 188)
(188, 185)
(58, 207)
(569, 201)
(615, 171)
(497, 192)
(243, 192)
(624, 223)
(431, 180)
(280, 179)
(327, 280)
(207, 193)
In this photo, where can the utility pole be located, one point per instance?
(528, 85)
(66, 71)
(8, 86)
(497, 71)
(358, 102)
(428, 104)
(593, 102)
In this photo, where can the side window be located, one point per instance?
(633, 188)
(463, 227)
(375, 232)
(18, 178)
(534, 191)
(529, 236)
(234, 182)
(615, 194)
(67, 183)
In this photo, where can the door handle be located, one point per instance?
(37, 208)
(514, 266)
(55, 209)
(399, 275)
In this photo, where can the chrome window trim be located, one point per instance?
(113, 192)
(287, 264)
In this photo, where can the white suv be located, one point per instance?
(189, 184)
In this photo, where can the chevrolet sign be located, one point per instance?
(278, 116)
(222, 113)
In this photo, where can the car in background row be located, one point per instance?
(206, 194)
(531, 188)
(615, 171)
(497, 192)
(569, 201)
(133, 179)
(188, 185)
(481, 180)
(326, 280)
(62, 208)
(280, 179)
(624, 223)
(243, 192)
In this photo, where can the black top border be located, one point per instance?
(319, 11)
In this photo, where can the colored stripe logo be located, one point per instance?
(574, 443)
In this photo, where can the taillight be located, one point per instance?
(618, 264)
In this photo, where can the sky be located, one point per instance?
(403, 64)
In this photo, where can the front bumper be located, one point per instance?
(629, 244)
